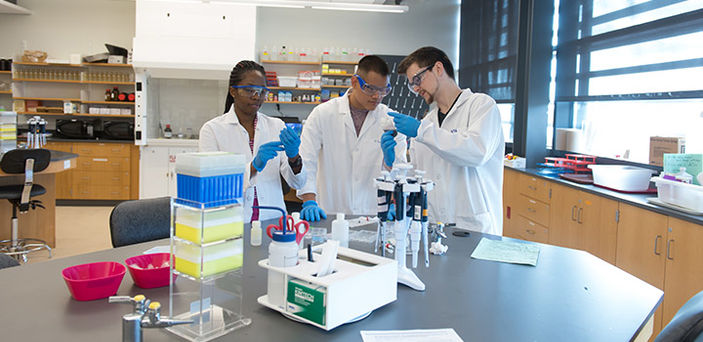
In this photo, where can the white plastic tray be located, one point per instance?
(657, 201)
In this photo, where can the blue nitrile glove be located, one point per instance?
(291, 141)
(388, 147)
(391, 212)
(405, 124)
(311, 212)
(266, 152)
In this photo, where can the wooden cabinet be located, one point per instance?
(510, 192)
(64, 179)
(583, 221)
(104, 171)
(641, 248)
(683, 253)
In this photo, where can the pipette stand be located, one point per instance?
(403, 186)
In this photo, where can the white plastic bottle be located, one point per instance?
(340, 230)
(255, 237)
(683, 176)
(283, 252)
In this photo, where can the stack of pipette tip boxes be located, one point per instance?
(207, 233)
(8, 131)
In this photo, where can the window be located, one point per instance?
(627, 70)
(488, 53)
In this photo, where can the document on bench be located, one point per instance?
(506, 251)
(419, 335)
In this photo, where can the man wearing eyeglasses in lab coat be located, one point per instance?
(340, 146)
(459, 143)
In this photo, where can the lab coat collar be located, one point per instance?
(434, 108)
(371, 118)
(231, 117)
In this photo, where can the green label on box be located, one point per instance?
(306, 301)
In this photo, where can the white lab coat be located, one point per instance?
(224, 133)
(465, 159)
(341, 167)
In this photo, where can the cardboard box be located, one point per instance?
(660, 145)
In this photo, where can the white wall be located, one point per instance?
(63, 27)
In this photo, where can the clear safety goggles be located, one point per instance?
(417, 79)
(252, 90)
(372, 90)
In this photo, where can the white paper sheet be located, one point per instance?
(419, 335)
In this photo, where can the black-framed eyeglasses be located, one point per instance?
(417, 79)
(372, 90)
(252, 90)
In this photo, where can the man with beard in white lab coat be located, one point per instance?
(459, 143)
(340, 146)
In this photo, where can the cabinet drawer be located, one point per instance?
(530, 230)
(101, 149)
(535, 187)
(96, 179)
(533, 209)
(103, 163)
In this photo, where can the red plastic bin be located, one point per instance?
(146, 277)
(95, 280)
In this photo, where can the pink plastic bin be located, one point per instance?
(146, 277)
(95, 280)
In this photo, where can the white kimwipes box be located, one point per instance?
(361, 282)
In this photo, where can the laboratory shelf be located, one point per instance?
(111, 102)
(46, 99)
(43, 80)
(331, 74)
(75, 114)
(340, 62)
(6, 92)
(336, 86)
(48, 64)
(5, 72)
(294, 88)
(290, 62)
(286, 102)
(108, 82)
(74, 65)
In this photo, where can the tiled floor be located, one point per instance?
(79, 230)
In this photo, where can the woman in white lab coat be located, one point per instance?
(270, 147)
(459, 143)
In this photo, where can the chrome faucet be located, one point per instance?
(146, 314)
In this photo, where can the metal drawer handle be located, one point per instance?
(656, 245)
(579, 215)
(533, 202)
(532, 188)
(531, 210)
(668, 249)
(573, 213)
(530, 231)
(100, 159)
(531, 223)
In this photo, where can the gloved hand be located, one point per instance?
(311, 212)
(291, 141)
(405, 124)
(391, 212)
(388, 147)
(266, 152)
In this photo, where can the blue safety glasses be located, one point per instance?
(251, 90)
(372, 90)
(417, 79)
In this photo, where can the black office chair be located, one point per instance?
(140, 221)
(687, 324)
(20, 196)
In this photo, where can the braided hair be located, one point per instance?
(237, 75)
